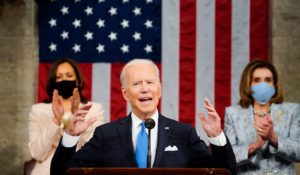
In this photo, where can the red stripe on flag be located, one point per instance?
(223, 56)
(187, 69)
(259, 29)
(86, 71)
(118, 106)
(42, 81)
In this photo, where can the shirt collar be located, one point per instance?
(137, 121)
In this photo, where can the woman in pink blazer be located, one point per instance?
(46, 125)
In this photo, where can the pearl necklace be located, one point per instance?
(261, 114)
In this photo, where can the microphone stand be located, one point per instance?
(149, 124)
(149, 149)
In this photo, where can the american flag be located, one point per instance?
(201, 47)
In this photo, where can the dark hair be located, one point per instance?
(52, 78)
(245, 84)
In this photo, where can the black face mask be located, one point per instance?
(65, 88)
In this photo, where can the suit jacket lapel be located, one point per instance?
(125, 127)
(164, 130)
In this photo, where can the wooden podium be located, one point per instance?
(147, 171)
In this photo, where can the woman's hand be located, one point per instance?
(272, 136)
(256, 145)
(57, 107)
(262, 126)
(75, 101)
(265, 129)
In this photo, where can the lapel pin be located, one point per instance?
(167, 127)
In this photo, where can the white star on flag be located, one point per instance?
(88, 35)
(76, 48)
(64, 10)
(100, 48)
(77, 23)
(65, 35)
(148, 24)
(112, 36)
(125, 23)
(100, 23)
(149, 1)
(148, 48)
(52, 22)
(112, 11)
(52, 47)
(136, 36)
(137, 11)
(125, 48)
(88, 10)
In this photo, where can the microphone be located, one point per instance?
(149, 124)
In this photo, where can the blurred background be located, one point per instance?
(19, 69)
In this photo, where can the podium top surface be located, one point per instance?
(146, 171)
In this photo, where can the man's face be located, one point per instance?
(142, 89)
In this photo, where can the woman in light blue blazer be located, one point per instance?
(264, 131)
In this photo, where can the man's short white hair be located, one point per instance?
(134, 62)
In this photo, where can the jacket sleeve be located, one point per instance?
(289, 147)
(42, 134)
(241, 152)
(88, 156)
(61, 156)
(218, 157)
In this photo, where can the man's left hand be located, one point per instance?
(212, 123)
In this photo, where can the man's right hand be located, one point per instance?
(78, 124)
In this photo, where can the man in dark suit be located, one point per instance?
(173, 144)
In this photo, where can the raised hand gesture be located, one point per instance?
(78, 124)
(212, 123)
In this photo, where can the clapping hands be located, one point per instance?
(265, 129)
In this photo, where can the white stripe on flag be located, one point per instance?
(101, 86)
(205, 57)
(170, 58)
(240, 44)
